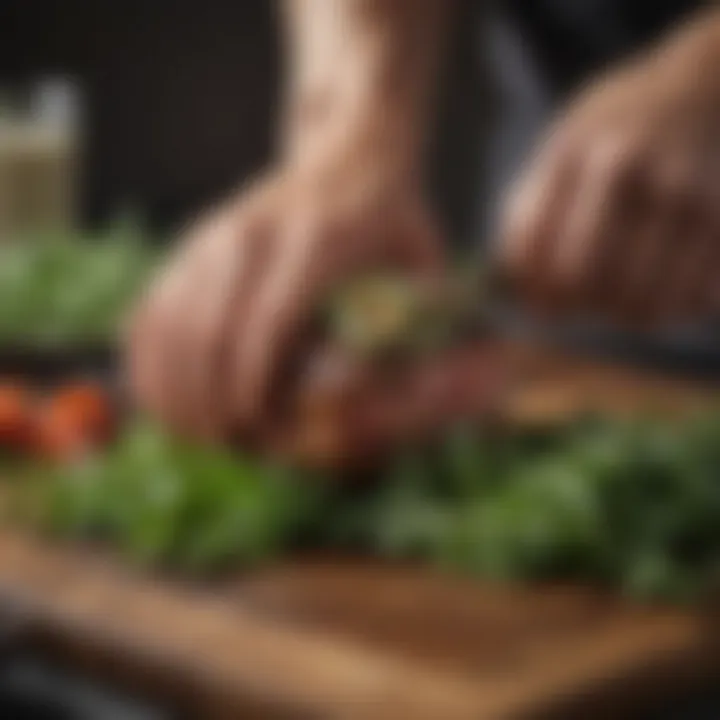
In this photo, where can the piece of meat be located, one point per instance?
(349, 412)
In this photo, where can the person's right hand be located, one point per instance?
(213, 333)
(618, 215)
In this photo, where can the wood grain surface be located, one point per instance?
(342, 638)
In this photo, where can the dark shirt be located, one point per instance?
(574, 38)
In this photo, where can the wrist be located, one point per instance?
(372, 126)
(362, 76)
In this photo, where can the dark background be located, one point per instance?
(180, 97)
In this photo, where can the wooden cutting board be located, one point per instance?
(341, 638)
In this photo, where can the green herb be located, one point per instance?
(635, 506)
(629, 505)
(161, 501)
(383, 314)
(60, 289)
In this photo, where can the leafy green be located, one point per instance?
(162, 501)
(63, 288)
(632, 505)
(629, 505)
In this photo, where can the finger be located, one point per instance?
(682, 299)
(418, 246)
(189, 326)
(148, 352)
(713, 296)
(592, 233)
(646, 261)
(284, 300)
(134, 350)
(686, 183)
(228, 263)
(174, 323)
(316, 257)
(141, 371)
(678, 200)
(703, 292)
(704, 300)
(234, 338)
(533, 214)
(253, 309)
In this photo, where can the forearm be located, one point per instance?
(361, 72)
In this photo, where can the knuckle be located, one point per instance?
(613, 157)
(331, 225)
(675, 180)
(519, 224)
(520, 208)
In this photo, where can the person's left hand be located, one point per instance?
(618, 216)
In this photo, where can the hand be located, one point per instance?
(619, 213)
(216, 328)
